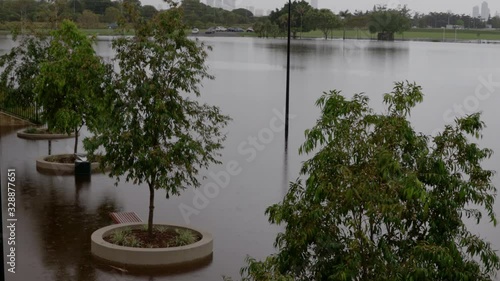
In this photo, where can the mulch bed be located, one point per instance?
(67, 158)
(40, 131)
(163, 239)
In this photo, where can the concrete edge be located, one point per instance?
(61, 168)
(21, 134)
(145, 257)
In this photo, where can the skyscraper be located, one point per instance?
(485, 11)
(314, 4)
(475, 12)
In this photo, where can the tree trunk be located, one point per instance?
(76, 141)
(151, 208)
(385, 36)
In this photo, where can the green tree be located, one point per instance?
(345, 17)
(386, 22)
(154, 130)
(19, 10)
(70, 81)
(265, 28)
(324, 20)
(88, 19)
(298, 23)
(20, 66)
(383, 202)
(54, 12)
(97, 6)
(148, 11)
(112, 15)
(243, 13)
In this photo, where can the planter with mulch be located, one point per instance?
(42, 134)
(128, 245)
(62, 164)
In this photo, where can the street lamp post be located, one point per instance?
(287, 104)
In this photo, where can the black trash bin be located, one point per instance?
(82, 165)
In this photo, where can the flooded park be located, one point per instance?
(57, 214)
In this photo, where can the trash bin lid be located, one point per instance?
(81, 157)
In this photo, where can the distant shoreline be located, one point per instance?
(410, 36)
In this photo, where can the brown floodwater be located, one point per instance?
(57, 214)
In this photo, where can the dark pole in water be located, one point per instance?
(287, 105)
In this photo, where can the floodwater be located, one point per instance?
(56, 215)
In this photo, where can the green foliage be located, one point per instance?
(88, 19)
(389, 21)
(31, 130)
(324, 20)
(118, 237)
(196, 13)
(20, 66)
(300, 9)
(154, 130)
(383, 202)
(243, 12)
(148, 11)
(265, 29)
(132, 241)
(160, 228)
(70, 81)
(185, 237)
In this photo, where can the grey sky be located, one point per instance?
(460, 6)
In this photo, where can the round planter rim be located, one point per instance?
(29, 136)
(97, 236)
(64, 168)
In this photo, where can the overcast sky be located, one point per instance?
(456, 6)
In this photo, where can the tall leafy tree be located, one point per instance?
(345, 17)
(386, 22)
(299, 11)
(324, 20)
(383, 202)
(70, 81)
(155, 131)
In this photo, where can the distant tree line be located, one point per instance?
(197, 14)
(305, 18)
(437, 20)
(87, 13)
(91, 13)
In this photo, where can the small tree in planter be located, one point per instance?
(152, 130)
(70, 81)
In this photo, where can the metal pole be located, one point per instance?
(287, 105)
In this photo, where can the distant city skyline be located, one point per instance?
(422, 6)
(485, 10)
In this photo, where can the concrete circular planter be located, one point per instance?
(129, 257)
(53, 168)
(23, 135)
